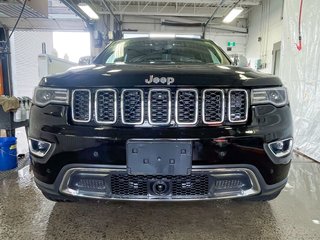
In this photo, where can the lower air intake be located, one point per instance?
(127, 185)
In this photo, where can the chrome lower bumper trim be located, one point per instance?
(213, 172)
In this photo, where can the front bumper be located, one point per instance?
(213, 147)
(204, 183)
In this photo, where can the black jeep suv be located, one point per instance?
(160, 119)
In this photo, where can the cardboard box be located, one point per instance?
(3, 133)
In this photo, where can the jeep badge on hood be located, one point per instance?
(156, 80)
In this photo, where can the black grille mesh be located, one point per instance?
(124, 185)
(132, 106)
(105, 109)
(213, 106)
(159, 106)
(81, 105)
(128, 185)
(238, 105)
(190, 185)
(186, 106)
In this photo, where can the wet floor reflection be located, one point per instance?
(206, 220)
(295, 214)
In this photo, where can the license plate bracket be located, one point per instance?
(159, 157)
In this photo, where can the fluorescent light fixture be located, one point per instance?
(235, 12)
(162, 35)
(88, 11)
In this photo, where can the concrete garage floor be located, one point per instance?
(26, 214)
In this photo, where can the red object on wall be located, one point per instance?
(299, 45)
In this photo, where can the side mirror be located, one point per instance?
(87, 60)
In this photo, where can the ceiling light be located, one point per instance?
(88, 10)
(233, 14)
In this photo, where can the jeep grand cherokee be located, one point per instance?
(160, 119)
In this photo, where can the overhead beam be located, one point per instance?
(203, 12)
(76, 10)
(228, 2)
(35, 24)
(229, 28)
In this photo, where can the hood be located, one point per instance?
(160, 75)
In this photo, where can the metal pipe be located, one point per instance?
(214, 13)
(111, 12)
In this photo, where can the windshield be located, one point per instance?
(162, 51)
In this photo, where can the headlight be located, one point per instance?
(276, 96)
(43, 96)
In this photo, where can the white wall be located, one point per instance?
(300, 73)
(25, 48)
(222, 39)
(264, 21)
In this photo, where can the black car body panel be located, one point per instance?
(87, 148)
(131, 75)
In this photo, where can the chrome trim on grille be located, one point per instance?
(142, 93)
(142, 106)
(72, 108)
(254, 190)
(149, 106)
(222, 107)
(229, 105)
(196, 103)
(115, 105)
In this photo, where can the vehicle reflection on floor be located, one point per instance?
(295, 214)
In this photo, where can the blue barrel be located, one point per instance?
(8, 153)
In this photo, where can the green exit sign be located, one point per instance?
(231, 44)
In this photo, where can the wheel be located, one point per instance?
(56, 198)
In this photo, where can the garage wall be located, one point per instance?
(264, 21)
(221, 37)
(300, 72)
(25, 48)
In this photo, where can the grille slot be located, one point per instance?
(81, 105)
(128, 185)
(106, 106)
(238, 105)
(186, 110)
(132, 106)
(213, 106)
(159, 106)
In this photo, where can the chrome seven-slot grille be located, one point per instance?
(160, 106)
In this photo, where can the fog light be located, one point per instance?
(38, 147)
(231, 184)
(87, 184)
(281, 148)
